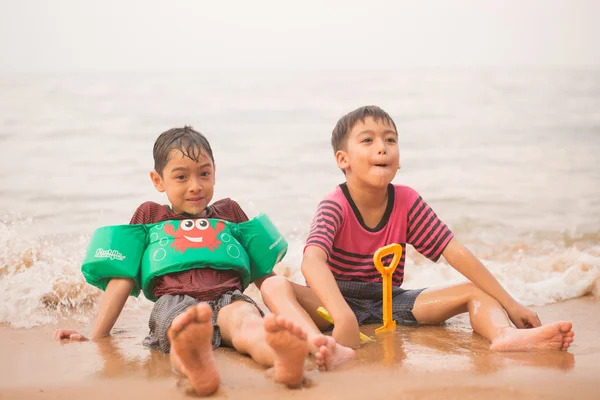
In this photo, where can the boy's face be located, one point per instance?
(370, 156)
(189, 185)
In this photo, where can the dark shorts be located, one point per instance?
(366, 301)
(169, 306)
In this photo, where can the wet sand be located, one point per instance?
(434, 362)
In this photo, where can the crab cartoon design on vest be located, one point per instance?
(194, 234)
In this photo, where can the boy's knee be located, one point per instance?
(472, 291)
(251, 321)
(250, 324)
(275, 285)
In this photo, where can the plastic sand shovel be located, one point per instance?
(323, 313)
(389, 324)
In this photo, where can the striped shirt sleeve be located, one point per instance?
(324, 226)
(141, 214)
(238, 212)
(426, 232)
(227, 209)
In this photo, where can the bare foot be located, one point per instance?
(291, 348)
(328, 354)
(191, 348)
(555, 336)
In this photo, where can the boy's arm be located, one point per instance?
(321, 281)
(459, 257)
(113, 301)
(116, 293)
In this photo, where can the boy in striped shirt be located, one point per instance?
(368, 212)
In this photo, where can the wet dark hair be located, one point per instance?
(190, 142)
(347, 122)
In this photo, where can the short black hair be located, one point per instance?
(347, 122)
(190, 142)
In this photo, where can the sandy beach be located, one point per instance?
(433, 362)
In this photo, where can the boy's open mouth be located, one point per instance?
(381, 165)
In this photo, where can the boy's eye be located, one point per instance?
(366, 140)
(180, 177)
(392, 140)
(205, 174)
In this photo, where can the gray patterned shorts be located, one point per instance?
(366, 301)
(170, 306)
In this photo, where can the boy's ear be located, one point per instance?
(157, 181)
(342, 159)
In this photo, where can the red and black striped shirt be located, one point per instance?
(338, 229)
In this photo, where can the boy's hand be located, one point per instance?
(346, 332)
(60, 334)
(523, 317)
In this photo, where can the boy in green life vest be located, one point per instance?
(200, 308)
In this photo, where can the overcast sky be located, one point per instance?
(72, 35)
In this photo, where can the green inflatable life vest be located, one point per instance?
(145, 252)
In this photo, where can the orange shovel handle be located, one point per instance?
(389, 324)
(394, 249)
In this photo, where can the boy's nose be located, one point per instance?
(195, 186)
(382, 149)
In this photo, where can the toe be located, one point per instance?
(283, 323)
(565, 326)
(298, 332)
(319, 361)
(203, 312)
(331, 343)
(182, 320)
(319, 340)
(291, 327)
(323, 352)
(270, 322)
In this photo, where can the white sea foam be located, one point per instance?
(41, 282)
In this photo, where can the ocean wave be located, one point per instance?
(41, 282)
